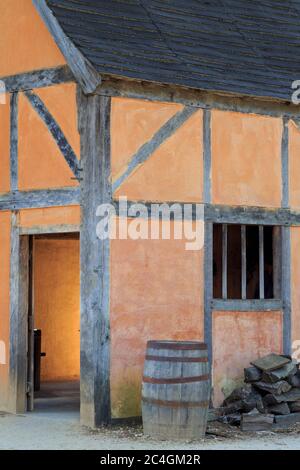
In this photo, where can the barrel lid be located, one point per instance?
(171, 344)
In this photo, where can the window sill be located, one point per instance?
(254, 305)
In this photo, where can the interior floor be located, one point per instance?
(58, 397)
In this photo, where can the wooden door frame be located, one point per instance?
(19, 305)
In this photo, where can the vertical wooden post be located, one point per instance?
(18, 318)
(30, 334)
(208, 286)
(285, 162)
(208, 233)
(286, 241)
(286, 289)
(14, 141)
(94, 125)
(207, 155)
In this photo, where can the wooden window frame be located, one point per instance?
(244, 304)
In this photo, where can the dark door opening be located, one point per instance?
(54, 327)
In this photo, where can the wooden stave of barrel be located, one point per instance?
(176, 390)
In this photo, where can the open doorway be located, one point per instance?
(54, 324)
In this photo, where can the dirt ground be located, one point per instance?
(57, 430)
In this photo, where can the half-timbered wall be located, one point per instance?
(39, 151)
(237, 156)
(225, 158)
(294, 148)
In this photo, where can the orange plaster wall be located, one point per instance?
(174, 171)
(25, 43)
(68, 215)
(41, 163)
(4, 302)
(56, 306)
(4, 143)
(238, 338)
(246, 162)
(294, 164)
(156, 293)
(295, 282)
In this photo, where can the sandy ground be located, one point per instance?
(57, 430)
(55, 425)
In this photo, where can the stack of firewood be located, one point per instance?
(270, 397)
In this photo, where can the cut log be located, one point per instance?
(255, 421)
(214, 414)
(294, 380)
(270, 400)
(246, 398)
(239, 393)
(231, 408)
(270, 362)
(279, 409)
(272, 376)
(288, 420)
(252, 402)
(295, 406)
(276, 388)
(252, 374)
(234, 419)
(291, 396)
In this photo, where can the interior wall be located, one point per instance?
(56, 272)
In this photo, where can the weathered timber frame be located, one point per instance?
(14, 201)
(37, 79)
(276, 274)
(20, 315)
(96, 188)
(243, 215)
(82, 69)
(94, 125)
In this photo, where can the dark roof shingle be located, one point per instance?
(237, 46)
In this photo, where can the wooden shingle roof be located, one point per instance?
(248, 47)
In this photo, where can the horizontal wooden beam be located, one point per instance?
(192, 97)
(49, 229)
(17, 200)
(37, 79)
(124, 210)
(249, 305)
(251, 215)
(247, 215)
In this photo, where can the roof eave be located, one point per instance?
(84, 72)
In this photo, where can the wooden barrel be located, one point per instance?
(176, 389)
